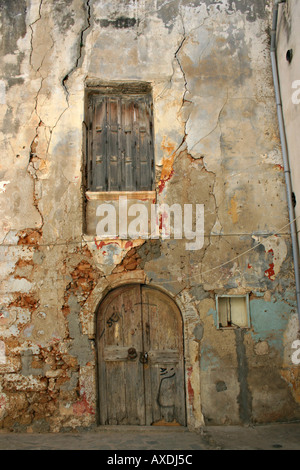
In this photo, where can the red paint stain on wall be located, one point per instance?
(101, 244)
(279, 167)
(270, 273)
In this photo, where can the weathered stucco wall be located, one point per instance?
(216, 143)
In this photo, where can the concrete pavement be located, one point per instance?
(110, 438)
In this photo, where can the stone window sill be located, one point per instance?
(114, 195)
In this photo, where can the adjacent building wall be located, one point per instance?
(289, 73)
(216, 143)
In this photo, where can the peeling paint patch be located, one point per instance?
(213, 312)
(24, 301)
(252, 10)
(269, 321)
(279, 167)
(83, 407)
(3, 185)
(208, 358)
(233, 210)
(2, 353)
(29, 237)
(167, 169)
(120, 23)
(292, 377)
(3, 405)
(276, 249)
(2, 92)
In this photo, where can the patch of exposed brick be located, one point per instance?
(129, 263)
(29, 237)
(25, 301)
(84, 279)
(22, 263)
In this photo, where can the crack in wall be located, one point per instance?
(67, 76)
(167, 170)
(185, 36)
(177, 52)
(31, 168)
(30, 26)
(81, 46)
(34, 159)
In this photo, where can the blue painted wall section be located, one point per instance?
(269, 319)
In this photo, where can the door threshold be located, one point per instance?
(135, 428)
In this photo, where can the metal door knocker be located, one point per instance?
(132, 354)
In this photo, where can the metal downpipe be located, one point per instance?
(285, 154)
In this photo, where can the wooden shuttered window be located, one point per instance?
(120, 142)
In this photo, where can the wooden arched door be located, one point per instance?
(140, 358)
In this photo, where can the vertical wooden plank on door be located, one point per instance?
(134, 400)
(165, 372)
(112, 397)
(146, 318)
(114, 358)
(120, 377)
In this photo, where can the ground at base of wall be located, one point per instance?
(285, 436)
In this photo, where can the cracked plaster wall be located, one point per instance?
(216, 143)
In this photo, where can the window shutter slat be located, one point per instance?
(145, 166)
(127, 132)
(113, 147)
(99, 145)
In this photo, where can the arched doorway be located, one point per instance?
(140, 358)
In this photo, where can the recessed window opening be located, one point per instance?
(233, 311)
